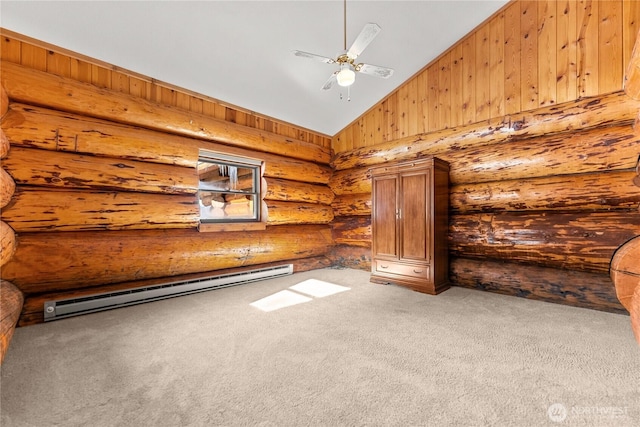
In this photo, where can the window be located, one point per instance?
(229, 189)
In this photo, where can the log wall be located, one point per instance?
(102, 163)
(541, 144)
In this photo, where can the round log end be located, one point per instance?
(625, 271)
(635, 314)
(11, 300)
(7, 188)
(4, 145)
(7, 242)
(4, 101)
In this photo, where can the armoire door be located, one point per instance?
(414, 215)
(384, 215)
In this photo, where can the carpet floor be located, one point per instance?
(372, 355)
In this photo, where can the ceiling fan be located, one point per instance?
(346, 75)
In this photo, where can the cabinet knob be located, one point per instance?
(384, 266)
(417, 271)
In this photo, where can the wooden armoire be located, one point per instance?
(409, 221)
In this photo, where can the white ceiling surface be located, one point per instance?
(240, 52)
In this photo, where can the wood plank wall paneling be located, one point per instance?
(530, 54)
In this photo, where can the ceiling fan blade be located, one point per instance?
(329, 83)
(374, 70)
(368, 33)
(314, 57)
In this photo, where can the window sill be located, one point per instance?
(231, 226)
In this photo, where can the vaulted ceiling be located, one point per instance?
(240, 52)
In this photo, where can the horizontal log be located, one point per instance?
(594, 191)
(625, 271)
(298, 213)
(58, 261)
(4, 145)
(35, 127)
(75, 171)
(346, 256)
(294, 191)
(35, 87)
(352, 204)
(7, 188)
(7, 243)
(33, 311)
(574, 288)
(594, 150)
(352, 230)
(591, 150)
(40, 209)
(351, 181)
(604, 110)
(11, 300)
(583, 241)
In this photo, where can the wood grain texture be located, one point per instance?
(295, 191)
(529, 54)
(35, 127)
(46, 210)
(575, 288)
(19, 49)
(7, 188)
(7, 243)
(584, 151)
(582, 241)
(76, 260)
(346, 256)
(587, 151)
(5, 145)
(352, 231)
(351, 181)
(352, 204)
(625, 271)
(30, 86)
(591, 191)
(75, 171)
(298, 213)
(614, 109)
(635, 314)
(11, 301)
(632, 75)
(4, 101)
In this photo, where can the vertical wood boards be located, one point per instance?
(531, 53)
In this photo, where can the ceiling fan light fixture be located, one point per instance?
(346, 76)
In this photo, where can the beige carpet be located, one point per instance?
(372, 355)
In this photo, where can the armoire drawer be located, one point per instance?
(396, 268)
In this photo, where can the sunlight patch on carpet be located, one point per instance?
(280, 300)
(318, 288)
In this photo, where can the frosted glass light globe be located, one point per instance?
(346, 77)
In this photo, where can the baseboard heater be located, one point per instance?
(59, 309)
